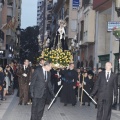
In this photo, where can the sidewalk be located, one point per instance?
(5, 104)
(13, 111)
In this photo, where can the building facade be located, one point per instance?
(39, 11)
(107, 47)
(10, 20)
(63, 9)
(86, 32)
(96, 44)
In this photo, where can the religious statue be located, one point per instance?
(60, 41)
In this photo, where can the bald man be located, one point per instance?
(105, 86)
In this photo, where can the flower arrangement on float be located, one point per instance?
(57, 57)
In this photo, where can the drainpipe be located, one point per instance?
(96, 39)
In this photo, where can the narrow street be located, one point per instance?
(10, 110)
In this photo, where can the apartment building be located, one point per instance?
(10, 20)
(48, 17)
(86, 32)
(97, 44)
(39, 11)
(107, 47)
(44, 17)
(64, 9)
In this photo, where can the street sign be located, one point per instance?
(75, 3)
(112, 25)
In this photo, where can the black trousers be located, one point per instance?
(38, 105)
(23, 93)
(1, 92)
(104, 110)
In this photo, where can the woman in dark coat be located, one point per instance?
(1, 82)
(88, 86)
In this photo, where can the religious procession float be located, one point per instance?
(59, 56)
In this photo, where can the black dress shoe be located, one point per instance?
(25, 104)
(73, 104)
(88, 104)
(20, 103)
(65, 104)
(83, 104)
(95, 106)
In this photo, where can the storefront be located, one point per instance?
(103, 59)
(116, 62)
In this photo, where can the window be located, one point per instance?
(10, 2)
(9, 18)
(82, 30)
(85, 2)
(74, 25)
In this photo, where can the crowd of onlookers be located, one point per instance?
(9, 81)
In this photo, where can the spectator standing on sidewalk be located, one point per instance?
(1, 83)
(24, 75)
(7, 81)
(12, 75)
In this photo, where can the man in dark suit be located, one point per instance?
(41, 62)
(39, 88)
(105, 85)
(24, 76)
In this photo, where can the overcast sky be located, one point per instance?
(29, 13)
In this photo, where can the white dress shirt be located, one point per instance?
(44, 73)
(106, 73)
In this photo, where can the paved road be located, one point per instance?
(57, 112)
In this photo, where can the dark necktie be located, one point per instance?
(107, 76)
(45, 75)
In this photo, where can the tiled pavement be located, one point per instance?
(57, 112)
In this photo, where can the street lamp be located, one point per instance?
(18, 31)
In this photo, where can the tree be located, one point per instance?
(29, 44)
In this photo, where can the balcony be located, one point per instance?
(66, 13)
(49, 7)
(101, 5)
(88, 28)
(49, 17)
